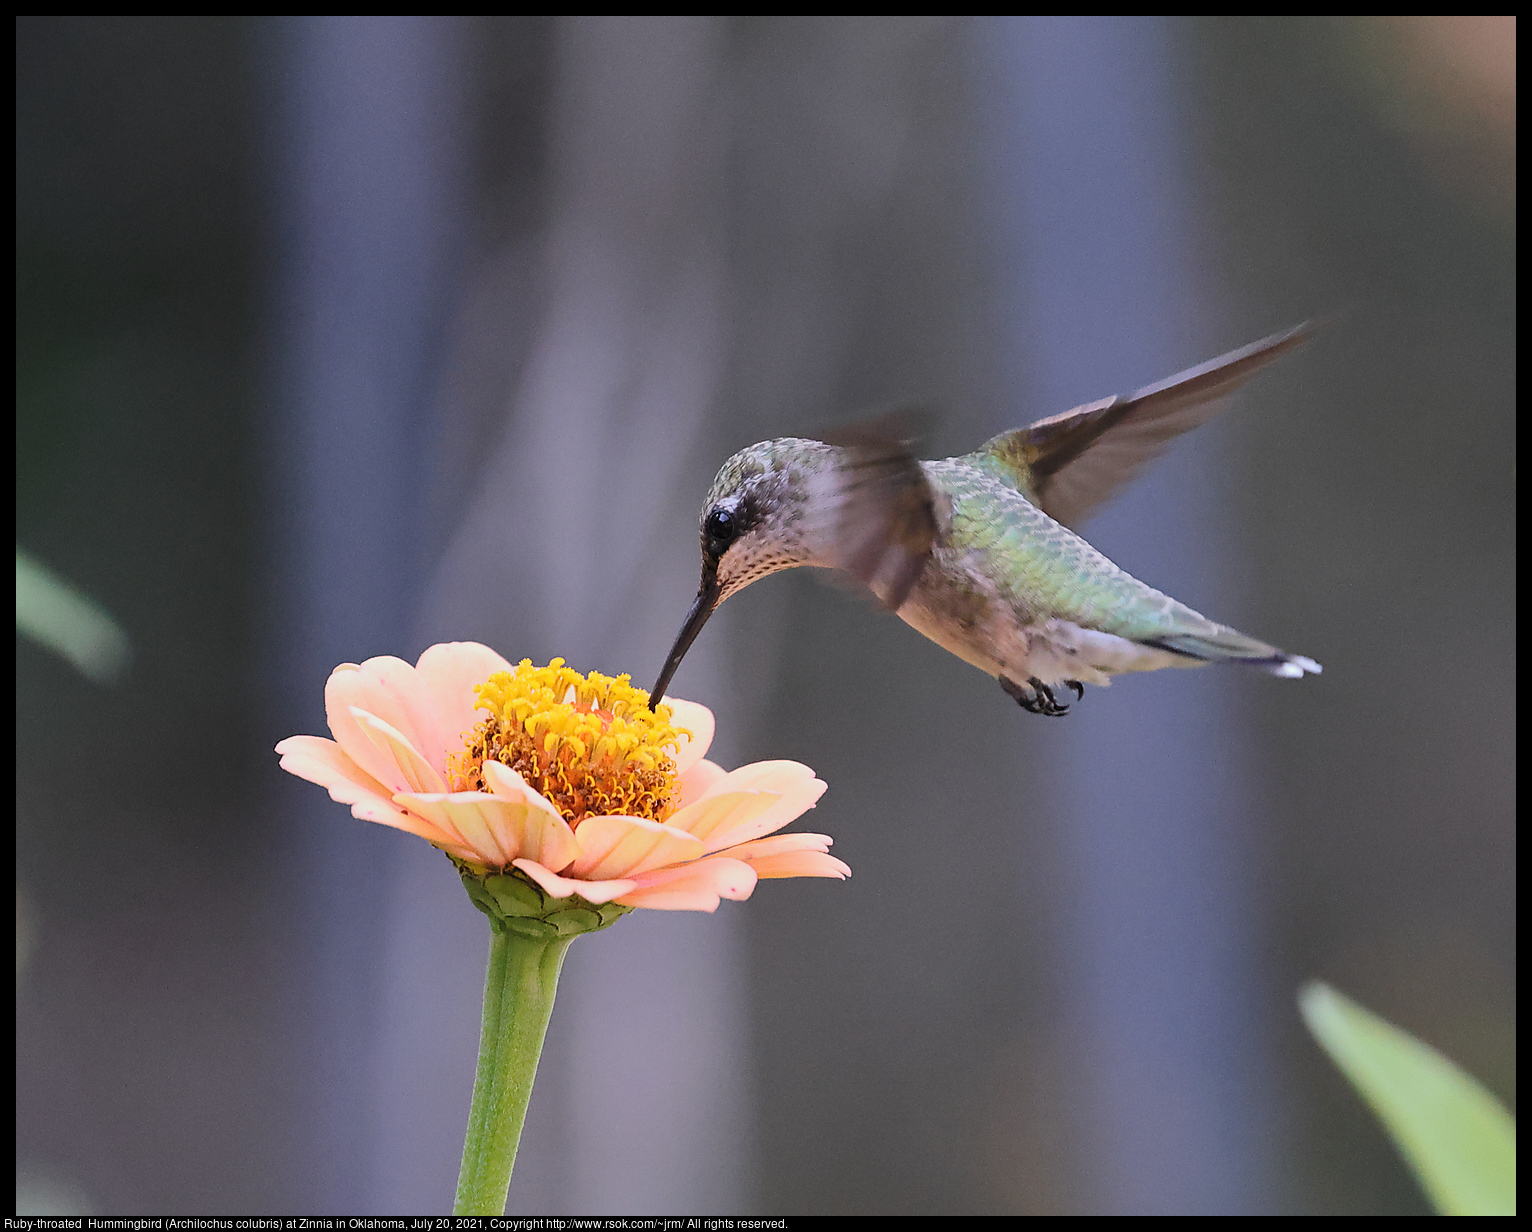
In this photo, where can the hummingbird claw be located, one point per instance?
(1039, 699)
(1049, 705)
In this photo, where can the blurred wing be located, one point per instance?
(1068, 464)
(886, 518)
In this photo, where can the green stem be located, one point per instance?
(518, 1000)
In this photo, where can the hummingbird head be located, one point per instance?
(759, 518)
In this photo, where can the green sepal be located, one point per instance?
(515, 903)
(514, 897)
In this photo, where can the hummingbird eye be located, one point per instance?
(721, 529)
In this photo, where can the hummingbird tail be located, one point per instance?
(1232, 647)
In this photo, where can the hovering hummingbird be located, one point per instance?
(980, 552)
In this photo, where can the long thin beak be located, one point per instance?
(702, 608)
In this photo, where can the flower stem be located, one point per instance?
(518, 1000)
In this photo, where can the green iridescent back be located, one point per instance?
(1043, 568)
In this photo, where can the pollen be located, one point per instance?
(589, 743)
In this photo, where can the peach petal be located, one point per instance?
(420, 774)
(791, 855)
(563, 887)
(389, 689)
(790, 805)
(749, 802)
(498, 830)
(698, 720)
(324, 762)
(372, 809)
(367, 803)
(616, 846)
(457, 818)
(450, 672)
(765, 776)
(777, 844)
(698, 779)
(800, 864)
(509, 785)
(543, 833)
(692, 887)
(714, 812)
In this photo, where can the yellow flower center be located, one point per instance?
(590, 744)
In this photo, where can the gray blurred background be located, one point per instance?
(341, 336)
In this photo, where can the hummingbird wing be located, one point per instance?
(1068, 464)
(886, 518)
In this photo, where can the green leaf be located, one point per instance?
(1458, 1139)
(51, 611)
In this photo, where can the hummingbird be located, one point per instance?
(981, 553)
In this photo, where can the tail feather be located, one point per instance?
(1229, 646)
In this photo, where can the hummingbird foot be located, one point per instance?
(1039, 699)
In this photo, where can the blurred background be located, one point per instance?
(338, 337)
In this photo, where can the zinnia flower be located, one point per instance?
(568, 778)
